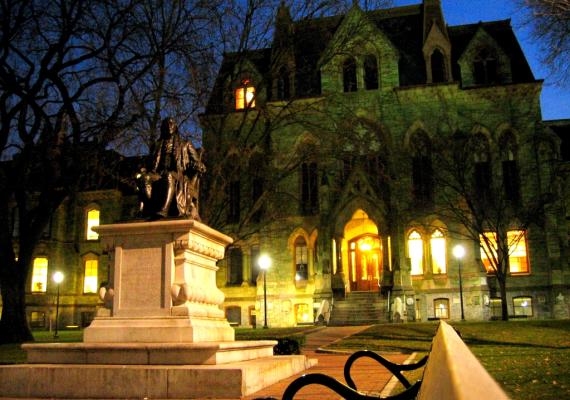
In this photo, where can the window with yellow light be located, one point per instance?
(438, 253)
(39, 275)
(518, 257)
(416, 252)
(90, 280)
(302, 313)
(92, 221)
(245, 96)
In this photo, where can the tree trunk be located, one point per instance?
(503, 290)
(14, 326)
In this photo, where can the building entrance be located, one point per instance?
(365, 263)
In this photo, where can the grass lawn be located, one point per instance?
(529, 359)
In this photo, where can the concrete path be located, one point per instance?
(368, 375)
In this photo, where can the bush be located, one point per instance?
(289, 345)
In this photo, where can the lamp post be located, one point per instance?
(458, 253)
(264, 263)
(57, 278)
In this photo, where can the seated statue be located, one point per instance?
(171, 188)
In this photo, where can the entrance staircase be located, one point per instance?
(359, 308)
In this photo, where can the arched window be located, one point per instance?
(39, 275)
(235, 266)
(422, 174)
(245, 95)
(438, 71)
(93, 216)
(370, 72)
(91, 267)
(301, 259)
(438, 253)
(485, 68)
(283, 84)
(416, 252)
(349, 75)
(441, 308)
(511, 181)
(482, 165)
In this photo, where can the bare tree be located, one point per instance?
(550, 21)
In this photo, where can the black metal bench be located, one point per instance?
(350, 391)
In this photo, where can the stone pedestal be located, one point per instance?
(166, 335)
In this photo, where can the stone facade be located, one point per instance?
(341, 166)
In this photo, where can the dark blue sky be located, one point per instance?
(555, 101)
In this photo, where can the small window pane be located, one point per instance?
(522, 306)
(302, 313)
(438, 253)
(245, 96)
(92, 221)
(495, 305)
(416, 252)
(301, 260)
(90, 282)
(37, 319)
(518, 260)
(488, 249)
(441, 308)
(39, 274)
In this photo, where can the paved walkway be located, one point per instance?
(367, 374)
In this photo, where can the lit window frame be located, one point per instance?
(301, 259)
(303, 313)
(39, 275)
(518, 307)
(441, 259)
(88, 287)
(437, 309)
(521, 242)
(245, 95)
(90, 234)
(420, 242)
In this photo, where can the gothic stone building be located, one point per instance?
(330, 150)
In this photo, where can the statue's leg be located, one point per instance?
(170, 191)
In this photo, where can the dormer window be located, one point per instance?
(485, 68)
(245, 95)
(438, 72)
(349, 75)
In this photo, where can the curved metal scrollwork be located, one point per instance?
(395, 369)
(343, 390)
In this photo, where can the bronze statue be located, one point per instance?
(175, 175)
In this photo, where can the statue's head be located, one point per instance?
(168, 128)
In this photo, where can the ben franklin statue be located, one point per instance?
(171, 189)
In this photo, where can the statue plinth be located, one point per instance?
(164, 279)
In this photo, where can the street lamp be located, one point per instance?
(264, 262)
(57, 278)
(458, 253)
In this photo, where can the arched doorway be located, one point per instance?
(362, 253)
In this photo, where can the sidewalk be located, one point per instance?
(368, 375)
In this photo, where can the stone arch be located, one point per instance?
(415, 127)
(348, 210)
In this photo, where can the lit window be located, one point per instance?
(245, 96)
(441, 308)
(90, 281)
(92, 221)
(438, 253)
(39, 274)
(488, 248)
(518, 261)
(37, 319)
(416, 252)
(301, 260)
(302, 313)
(522, 306)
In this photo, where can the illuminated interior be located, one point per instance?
(362, 252)
(302, 313)
(90, 281)
(39, 274)
(416, 252)
(245, 96)
(301, 259)
(438, 253)
(92, 221)
(518, 258)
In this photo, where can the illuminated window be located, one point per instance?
(522, 306)
(37, 319)
(370, 72)
(92, 221)
(441, 308)
(349, 75)
(495, 306)
(245, 96)
(90, 280)
(39, 274)
(301, 260)
(302, 313)
(438, 252)
(416, 252)
(518, 260)
(438, 72)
